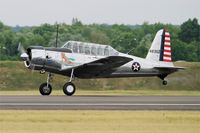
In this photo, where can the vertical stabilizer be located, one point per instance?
(161, 47)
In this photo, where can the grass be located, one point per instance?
(12, 121)
(144, 92)
(16, 79)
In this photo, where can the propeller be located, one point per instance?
(32, 69)
(24, 55)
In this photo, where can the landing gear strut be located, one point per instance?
(69, 88)
(46, 88)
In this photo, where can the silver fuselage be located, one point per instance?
(55, 60)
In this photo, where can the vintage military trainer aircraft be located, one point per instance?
(88, 60)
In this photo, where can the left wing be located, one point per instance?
(98, 67)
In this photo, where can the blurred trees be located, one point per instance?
(185, 38)
(190, 31)
(190, 34)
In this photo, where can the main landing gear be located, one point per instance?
(69, 88)
(46, 88)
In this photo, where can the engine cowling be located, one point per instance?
(35, 58)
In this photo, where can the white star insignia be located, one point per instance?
(136, 66)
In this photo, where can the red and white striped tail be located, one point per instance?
(160, 49)
(167, 57)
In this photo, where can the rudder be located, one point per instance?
(161, 47)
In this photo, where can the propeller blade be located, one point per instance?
(21, 48)
(32, 69)
(24, 55)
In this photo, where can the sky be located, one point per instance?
(36, 12)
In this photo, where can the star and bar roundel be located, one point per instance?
(136, 67)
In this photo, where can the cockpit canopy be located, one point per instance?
(90, 48)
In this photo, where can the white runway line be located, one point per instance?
(92, 104)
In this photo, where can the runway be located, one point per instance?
(100, 102)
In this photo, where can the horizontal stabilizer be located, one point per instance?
(170, 68)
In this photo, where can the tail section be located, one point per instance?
(161, 47)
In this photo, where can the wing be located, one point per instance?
(98, 67)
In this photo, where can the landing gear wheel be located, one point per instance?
(69, 89)
(164, 82)
(45, 89)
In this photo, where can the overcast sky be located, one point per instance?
(36, 12)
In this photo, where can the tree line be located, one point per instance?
(185, 38)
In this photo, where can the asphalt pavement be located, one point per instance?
(100, 102)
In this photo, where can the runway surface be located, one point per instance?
(100, 102)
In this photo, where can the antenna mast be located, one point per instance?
(57, 27)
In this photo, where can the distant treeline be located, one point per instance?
(185, 38)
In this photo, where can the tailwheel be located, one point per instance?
(164, 82)
(45, 89)
(69, 89)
